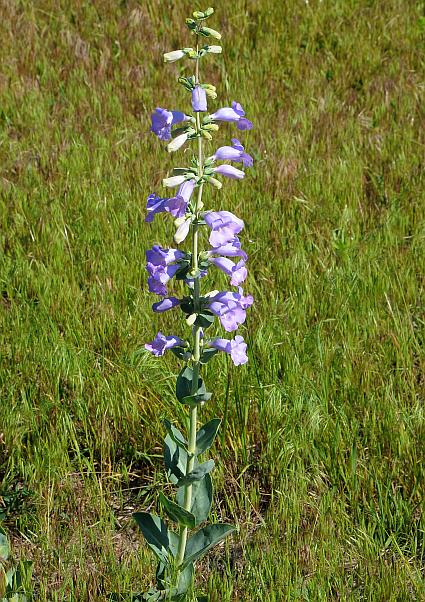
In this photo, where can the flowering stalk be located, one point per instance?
(176, 551)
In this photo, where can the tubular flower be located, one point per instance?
(162, 120)
(232, 248)
(224, 226)
(230, 172)
(236, 348)
(199, 99)
(165, 304)
(160, 256)
(159, 275)
(238, 272)
(230, 308)
(161, 343)
(236, 152)
(176, 205)
(234, 114)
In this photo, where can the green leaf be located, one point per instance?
(184, 385)
(175, 459)
(4, 546)
(202, 495)
(177, 513)
(205, 319)
(156, 534)
(206, 435)
(194, 400)
(185, 582)
(181, 352)
(197, 473)
(175, 434)
(205, 539)
(207, 354)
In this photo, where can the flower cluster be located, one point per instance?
(163, 264)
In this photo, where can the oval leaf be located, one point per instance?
(206, 435)
(156, 534)
(177, 513)
(197, 473)
(175, 460)
(204, 540)
(202, 495)
(175, 434)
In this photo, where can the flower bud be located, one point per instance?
(198, 15)
(215, 183)
(190, 320)
(182, 231)
(177, 143)
(214, 49)
(212, 127)
(173, 181)
(174, 55)
(209, 11)
(207, 31)
(206, 134)
(191, 24)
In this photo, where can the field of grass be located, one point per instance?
(321, 457)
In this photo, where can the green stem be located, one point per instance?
(196, 341)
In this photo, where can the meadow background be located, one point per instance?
(320, 458)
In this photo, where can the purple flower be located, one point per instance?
(162, 120)
(155, 204)
(235, 114)
(160, 256)
(229, 171)
(230, 308)
(199, 99)
(229, 249)
(165, 304)
(236, 348)
(238, 271)
(234, 153)
(161, 343)
(159, 275)
(224, 226)
(176, 205)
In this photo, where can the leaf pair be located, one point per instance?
(163, 542)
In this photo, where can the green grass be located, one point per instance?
(321, 462)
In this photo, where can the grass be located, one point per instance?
(321, 461)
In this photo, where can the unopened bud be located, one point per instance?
(207, 31)
(190, 320)
(212, 127)
(174, 55)
(206, 134)
(214, 49)
(215, 183)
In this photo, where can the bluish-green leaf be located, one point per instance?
(175, 434)
(207, 354)
(197, 473)
(175, 460)
(193, 400)
(184, 386)
(205, 539)
(206, 435)
(202, 495)
(176, 512)
(156, 534)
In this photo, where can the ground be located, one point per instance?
(321, 452)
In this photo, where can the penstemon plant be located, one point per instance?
(178, 550)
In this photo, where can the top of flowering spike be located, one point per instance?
(196, 26)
